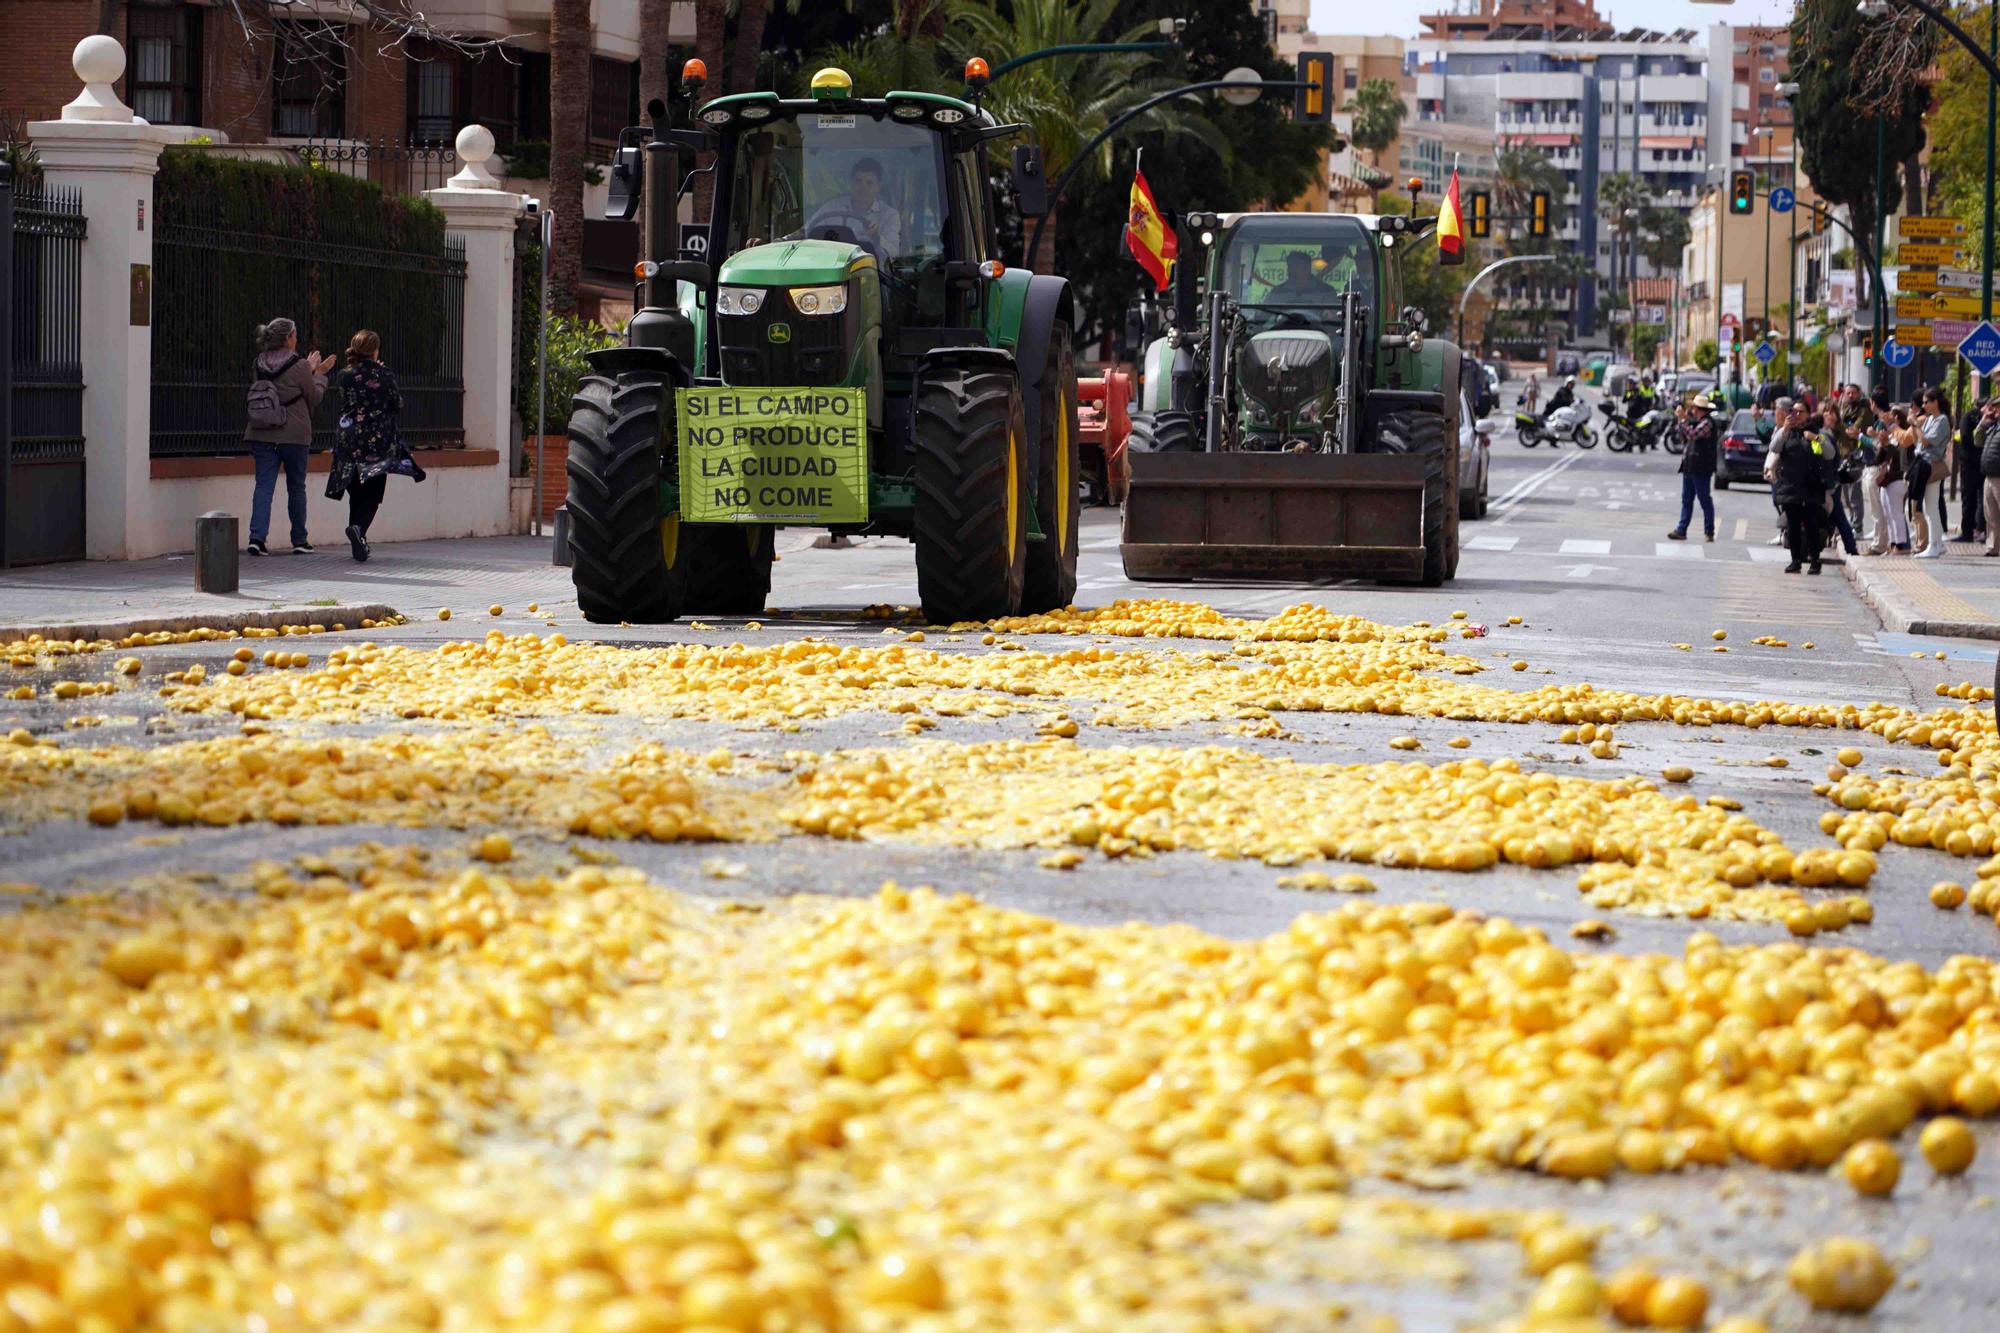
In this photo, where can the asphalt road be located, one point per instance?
(1576, 546)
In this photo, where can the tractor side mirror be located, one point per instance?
(1135, 330)
(1031, 187)
(628, 175)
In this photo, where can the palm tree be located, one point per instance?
(1519, 173)
(569, 102)
(1377, 110)
(1065, 100)
(1624, 199)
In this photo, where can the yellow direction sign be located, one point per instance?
(1928, 229)
(1914, 307)
(1916, 252)
(1917, 280)
(1954, 305)
(1913, 335)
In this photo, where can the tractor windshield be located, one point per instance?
(845, 177)
(1298, 261)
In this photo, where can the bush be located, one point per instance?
(303, 203)
(1707, 356)
(569, 339)
(530, 161)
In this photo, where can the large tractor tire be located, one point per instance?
(972, 493)
(729, 568)
(1429, 435)
(1050, 582)
(628, 563)
(1167, 432)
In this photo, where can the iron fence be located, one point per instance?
(213, 286)
(41, 357)
(399, 166)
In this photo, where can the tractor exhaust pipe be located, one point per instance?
(661, 207)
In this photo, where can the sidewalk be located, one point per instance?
(109, 599)
(1957, 596)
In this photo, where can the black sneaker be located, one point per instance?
(258, 548)
(1792, 568)
(1710, 537)
(1813, 568)
(357, 543)
(302, 548)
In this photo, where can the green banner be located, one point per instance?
(774, 455)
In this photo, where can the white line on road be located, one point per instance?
(1678, 551)
(1485, 543)
(1740, 531)
(1579, 546)
(1510, 503)
(1769, 555)
(1585, 571)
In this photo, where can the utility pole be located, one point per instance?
(1881, 306)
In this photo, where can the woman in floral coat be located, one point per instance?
(370, 444)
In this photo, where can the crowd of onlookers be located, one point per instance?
(1858, 469)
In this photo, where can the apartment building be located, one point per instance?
(1595, 102)
(325, 74)
(1760, 121)
(1352, 176)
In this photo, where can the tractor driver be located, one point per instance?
(1301, 285)
(863, 212)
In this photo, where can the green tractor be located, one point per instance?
(843, 353)
(1295, 420)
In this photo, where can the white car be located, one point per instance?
(1474, 447)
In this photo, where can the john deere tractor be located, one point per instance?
(1295, 420)
(845, 353)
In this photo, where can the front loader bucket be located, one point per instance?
(1195, 515)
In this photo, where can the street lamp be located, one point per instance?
(1765, 132)
(1786, 92)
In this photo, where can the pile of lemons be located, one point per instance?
(376, 1093)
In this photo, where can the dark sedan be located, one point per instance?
(1741, 457)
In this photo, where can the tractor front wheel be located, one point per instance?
(1050, 582)
(627, 561)
(729, 568)
(971, 526)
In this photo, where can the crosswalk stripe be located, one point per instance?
(1678, 551)
(1486, 543)
(1580, 546)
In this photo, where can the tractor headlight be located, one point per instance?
(820, 300)
(739, 300)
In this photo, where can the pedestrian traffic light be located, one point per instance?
(1482, 214)
(1314, 102)
(1868, 350)
(1742, 192)
(1538, 213)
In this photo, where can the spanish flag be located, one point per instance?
(1451, 226)
(1151, 240)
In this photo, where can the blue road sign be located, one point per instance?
(1982, 348)
(1766, 353)
(1781, 200)
(1897, 354)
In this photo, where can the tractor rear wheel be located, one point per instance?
(627, 561)
(1050, 583)
(729, 568)
(971, 526)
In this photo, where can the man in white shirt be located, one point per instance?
(863, 212)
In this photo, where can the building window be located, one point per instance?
(614, 97)
(1350, 77)
(1767, 75)
(434, 91)
(165, 82)
(308, 81)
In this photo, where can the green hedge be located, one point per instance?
(306, 203)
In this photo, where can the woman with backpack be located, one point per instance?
(370, 444)
(284, 390)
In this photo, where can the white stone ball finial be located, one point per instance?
(475, 149)
(100, 62)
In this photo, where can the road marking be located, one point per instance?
(1740, 531)
(1616, 504)
(1485, 543)
(1579, 546)
(1769, 555)
(1585, 571)
(1510, 503)
(1678, 551)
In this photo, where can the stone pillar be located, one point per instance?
(483, 215)
(108, 155)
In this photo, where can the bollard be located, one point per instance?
(560, 555)
(215, 552)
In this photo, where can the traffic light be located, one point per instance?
(1742, 192)
(1538, 213)
(1314, 102)
(1482, 214)
(1868, 350)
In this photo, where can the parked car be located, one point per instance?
(1617, 377)
(1568, 362)
(1474, 445)
(1691, 384)
(1492, 375)
(1741, 457)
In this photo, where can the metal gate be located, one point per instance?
(41, 374)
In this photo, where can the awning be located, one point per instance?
(1666, 141)
(1552, 140)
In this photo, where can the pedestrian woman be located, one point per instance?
(370, 445)
(1989, 469)
(1845, 454)
(1892, 455)
(284, 390)
(1934, 449)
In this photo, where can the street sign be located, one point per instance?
(1767, 353)
(1917, 279)
(1729, 321)
(1920, 229)
(1963, 278)
(1951, 332)
(1954, 304)
(1940, 252)
(1895, 352)
(1982, 348)
(1915, 335)
(1781, 200)
(1924, 306)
